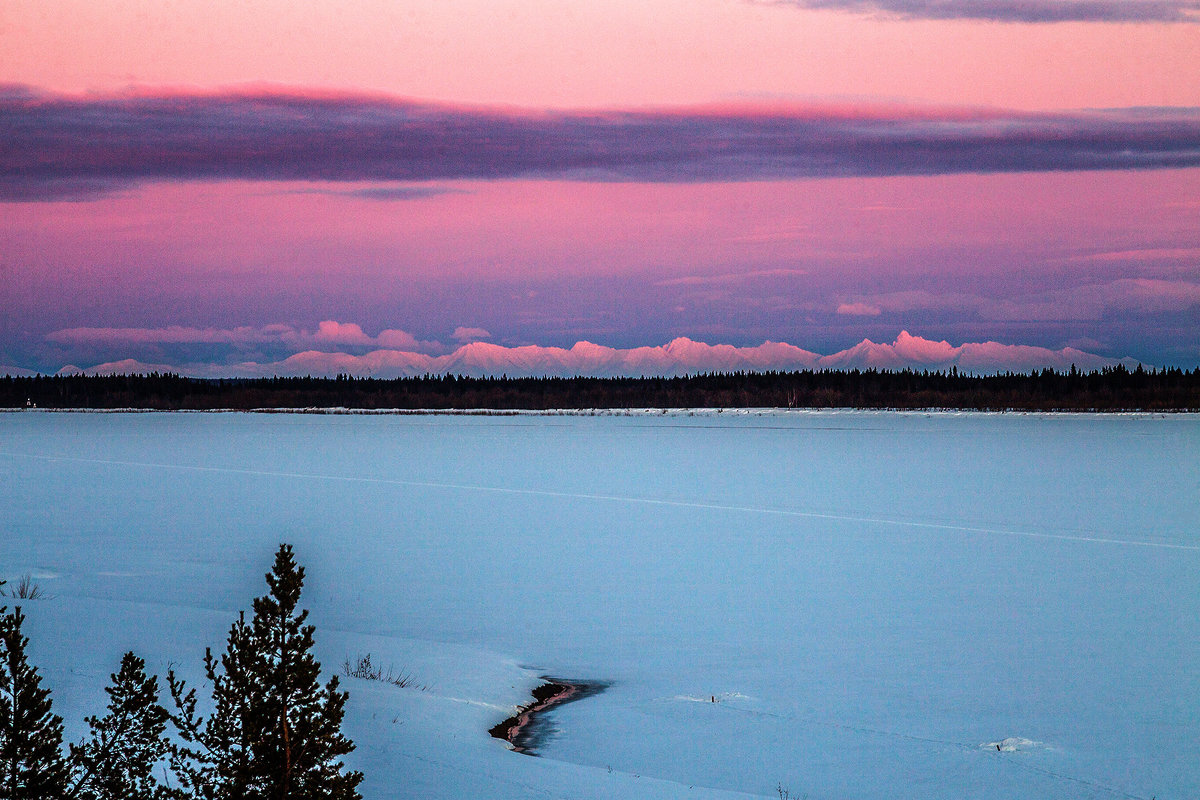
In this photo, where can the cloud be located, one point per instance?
(59, 146)
(1086, 302)
(912, 300)
(469, 334)
(771, 237)
(1095, 301)
(341, 333)
(859, 310)
(1139, 254)
(1029, 11)
(731, 277)
(681, 356)
(329, 333)
(392, 192)
(402, 340)
(401, 192)
(16, 189)
(177, 334)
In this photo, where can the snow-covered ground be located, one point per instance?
(883, 605)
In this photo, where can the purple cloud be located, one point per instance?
(1086, 301)
(466, 335)
(1031, 11)
(401, 192)
(55, 147)
(329, 333)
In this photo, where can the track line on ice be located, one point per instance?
(805, 720)
(611, 498)
(1070, 779)
(964, 746)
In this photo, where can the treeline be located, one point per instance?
(271, 731)
(1111, 389)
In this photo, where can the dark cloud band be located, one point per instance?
(1034, 11)
(55, 147)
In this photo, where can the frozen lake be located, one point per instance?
(871, 598)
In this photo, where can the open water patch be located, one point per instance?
(528, 729)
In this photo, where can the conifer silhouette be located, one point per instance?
(31, 762)
(213, 761)
(275, 732)
(117, 761)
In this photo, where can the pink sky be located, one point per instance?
(568, 53)
(1106, 260)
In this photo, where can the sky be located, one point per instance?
(387, 188)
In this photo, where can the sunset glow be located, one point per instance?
(623, 174)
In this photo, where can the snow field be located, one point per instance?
(872, 598)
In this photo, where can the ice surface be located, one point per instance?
(870, 598)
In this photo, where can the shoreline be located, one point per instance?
(524, 730)
(683, 411)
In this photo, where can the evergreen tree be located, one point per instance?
(213, 761)
(275, 732)
(117, 761)
(31, 762)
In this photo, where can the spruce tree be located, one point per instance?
(117, 761)
(213, 761)
(31, 762)
(275, 732)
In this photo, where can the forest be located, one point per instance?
(1115, 388)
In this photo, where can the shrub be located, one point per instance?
(365, 669)
(25, 589)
